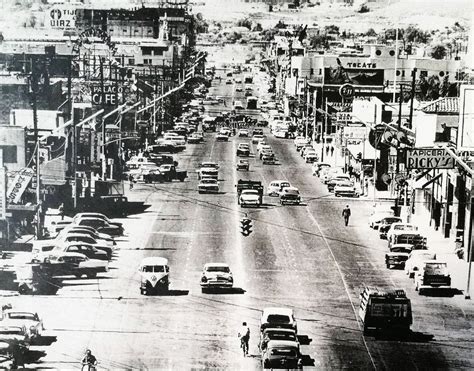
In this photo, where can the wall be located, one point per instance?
(425, 129)
(12, 141)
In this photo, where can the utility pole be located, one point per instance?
(101, 76)
(412, 98)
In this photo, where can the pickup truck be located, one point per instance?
(398, 255)
(169, 173)
(404, 233)
(432, 274)
(249, 184)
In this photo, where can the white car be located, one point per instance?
(276, 186)
(380, 212)
(243, 133)
(311, 156)
(249, 197)
(319, 166)
(136, 161)
(216, 276)
(400, 228)
(345, 188)
(278, 318)
(329, 173)
(209, 164)
(263, 147)
(31, 320)
(415, 259)
(282, 134)
(208, 185)
(257, 138)
(300, 141)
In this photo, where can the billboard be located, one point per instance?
(19, 184)
(354, 76)
(429, 158)
(62, 17)
(466, 117)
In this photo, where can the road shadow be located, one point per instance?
(45, 340)
(304, 339)
(307, 360)
(33, 356)
(225, 291)
(173, 293)
(404, 336)
(441, 293)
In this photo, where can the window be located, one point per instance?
(441, 73)
(392, 53)
(9, 154)
(378, 52)
(147, 61)
(146, 51)
(423, 73)
(311, 71)
(131, 61)
(398, 73)
(403, 73)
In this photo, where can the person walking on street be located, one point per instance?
(130, 179)
(332, 151)
(346, 213)
(244, 335)
(327, 150)
(366, 186)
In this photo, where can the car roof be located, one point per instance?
(280, 329)
(278, 310)
(154, 260)
(224, 265)
(290, 188)
(282, 344)
(279, 181)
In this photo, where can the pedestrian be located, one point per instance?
(61, 210)
(346, 213)
(366, 186)
(130, 179)
(327, 150)
(332, 151)
(351, 169)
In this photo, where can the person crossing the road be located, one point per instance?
(346, 213)
(244, 335)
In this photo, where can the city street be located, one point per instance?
(301, 257)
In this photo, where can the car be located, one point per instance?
(73, 237)
(398, 255)
(136, 161)
(345, 188)
(249, 197)
(275, 187)
(194, 139)
(216, 276)
(238, 80)
(281, 354)
(385, 224)
(328, 173)
(432, 274)
(16, 336)
(101, 238)
(238, 105)
(83, 248)
(229, 82)
(290, 195)
(311, 156)
(276, 317)
(209, 164)
(101, 226)
(208, 185)
(331, 183)
(266, 151)
(257, 137)
(154, 275)
(415, 261)
(276, 334)
(243, 133)
(222, 137)
(262, 145)
(399, 228)
(268, 159)
(226, 131)
(96, 215)
(257, 131)
(209, 172)
(378, 214)
(305, 148)
(76, 264)
(282, 134)
(319, 166)
(31, 320)
(243, 165)
(238, 88)
(299, 140)
(243, 149)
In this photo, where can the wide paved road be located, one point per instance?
(298, 256)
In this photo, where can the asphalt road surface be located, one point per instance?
(301, 257)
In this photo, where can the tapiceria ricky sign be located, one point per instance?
(429, 158)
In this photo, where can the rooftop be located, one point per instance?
(448, 105)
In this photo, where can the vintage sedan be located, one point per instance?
(220, 137)
(31, 320)
(278, 317)
(243, 165)
(75, 264)
(385, 224)
(290, 195)
(398, 255)
(281, 354)
(268, 159)
(208, 185)
(216, 276)
(415, 261)
(249, 197)
(345, 188)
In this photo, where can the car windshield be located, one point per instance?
(292, 191)
(436, 268)
(154, 269)
(404, 227)
(21, 315)
(208, 165)
(391, 220)
(285, 184)
(218, 269)
(284, 352)
(278, 318)
(275, 335)
(250, 192)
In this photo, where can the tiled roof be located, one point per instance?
(442, 105)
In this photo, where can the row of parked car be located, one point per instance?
(408, 250)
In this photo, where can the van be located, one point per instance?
(384, 310)
(154, 275)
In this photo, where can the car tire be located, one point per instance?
(91, 275)
(78, 275)
(204, 290)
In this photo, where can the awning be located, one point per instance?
(423, 183)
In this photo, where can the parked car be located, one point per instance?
(194, 139)
(331, 184)
(281, 354)
(311, 156)
(243, 133)
(290, 195)
(243, 149)
(96, 215)
(415, 261)
(398, 255)
(243, 165)
(76, 264)
(31, 320)
(385, 224)
(216, 276)
(378, 214)
(208, 185)
(432, 274)
(73, 237)
(101, 226)
(82, 248)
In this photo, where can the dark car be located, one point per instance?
(87, 250)
(385, 224)
(243, 165)
(101, 226)
(290, 195)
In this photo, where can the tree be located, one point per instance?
(247, 23)
(331, 29)
(438, 52)
(371, 32)
(363, 9)
(280, 24)
(201, 26)
(258, 27)
(319, 41)
(413, 34)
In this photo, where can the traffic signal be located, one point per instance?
(245, 226)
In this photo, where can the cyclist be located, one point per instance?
(244, 335)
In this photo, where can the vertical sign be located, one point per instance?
(19, 184)
(3, 189)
